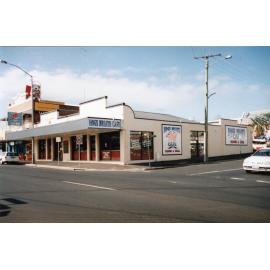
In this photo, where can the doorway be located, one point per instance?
(197, 145)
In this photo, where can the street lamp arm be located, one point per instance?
(33, 102)
(211, 95)
(7, 63)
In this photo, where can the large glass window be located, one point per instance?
(141, 145)
(49, 148)
(92, 147)
(110, 146)
(42, 149)
(75, 148)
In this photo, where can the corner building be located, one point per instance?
(98, 132)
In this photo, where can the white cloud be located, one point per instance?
(113, 72)
(65, 85)
(183, 99)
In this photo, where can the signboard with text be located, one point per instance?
(104, 123)
(15, 119)
(171, 140)
(236, 135)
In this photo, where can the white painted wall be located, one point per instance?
(217, 145)
(98, 108)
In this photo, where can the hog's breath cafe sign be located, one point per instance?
(171, 140)
(104, 123)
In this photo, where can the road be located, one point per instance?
(216, 192)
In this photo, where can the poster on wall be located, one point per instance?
(171, 140)
(15, 119)
(236, 135)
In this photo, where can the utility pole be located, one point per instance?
(206, 60)
(33, 119)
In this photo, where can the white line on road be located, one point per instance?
(81, 184)
(239, 179)
(215, 171)
(173, 182)
(262, 181)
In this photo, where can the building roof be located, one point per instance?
(161, 117)
(254, 113)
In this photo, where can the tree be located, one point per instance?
(261, 124)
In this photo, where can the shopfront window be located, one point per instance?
(49, 148)
(28, 151)
(141, 145)
(75, 148)
(92, 147)
(66, 146)
(2, 146)
(42, 149)
(110, 146)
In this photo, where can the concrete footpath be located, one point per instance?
(75, 166)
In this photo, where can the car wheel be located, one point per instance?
(248, 171)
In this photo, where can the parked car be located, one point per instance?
(259, 161)
(8, 157)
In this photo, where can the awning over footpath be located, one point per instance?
(66, 127)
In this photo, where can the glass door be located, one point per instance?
(197, 145)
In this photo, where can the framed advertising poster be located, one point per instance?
(171, 140)
(15, 119)
(235, 135)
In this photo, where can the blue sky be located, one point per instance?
(159, 79)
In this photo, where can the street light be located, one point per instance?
(207, 96)
(33, 102)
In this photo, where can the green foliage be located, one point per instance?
(261, 123)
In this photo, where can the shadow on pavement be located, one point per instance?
(5, 204)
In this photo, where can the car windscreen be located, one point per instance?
(263, 153)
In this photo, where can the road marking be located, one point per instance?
(81, 184)
(239, 179)
(261, 181)
(215, 171)
(173, 182)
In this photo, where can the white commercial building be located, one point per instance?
(98, 132)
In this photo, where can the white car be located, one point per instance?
(8, 157)
(259, 161)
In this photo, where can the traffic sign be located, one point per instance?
(79, 139)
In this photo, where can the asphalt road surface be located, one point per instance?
(216, 192)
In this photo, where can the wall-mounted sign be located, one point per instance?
(104, 123)
(171, 140)
(28, 90)
(15, 119)
(236, 135)
(36, 95)
(36, 92)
